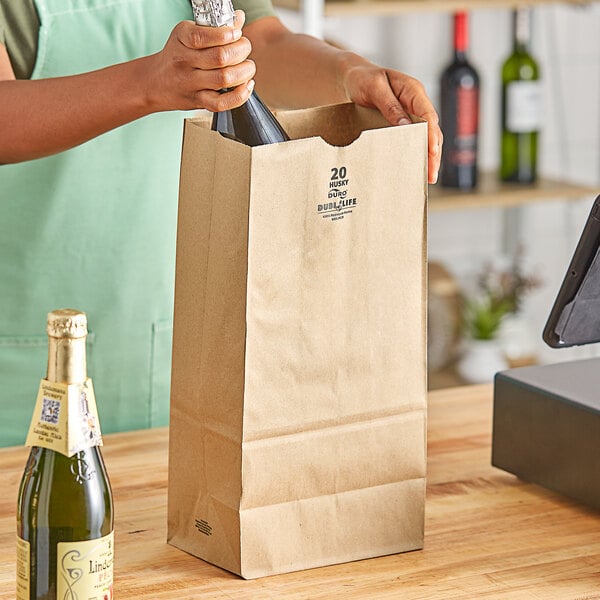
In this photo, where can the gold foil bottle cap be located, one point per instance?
(67, 323)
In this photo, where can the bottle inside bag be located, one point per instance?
(252, 123)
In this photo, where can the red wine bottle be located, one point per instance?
(460, 113)
(252, 123)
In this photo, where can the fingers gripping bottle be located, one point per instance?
(65, 509)
(252, 123)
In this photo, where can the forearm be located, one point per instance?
(46, 116)
(295, 70)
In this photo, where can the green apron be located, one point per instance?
(94, 228)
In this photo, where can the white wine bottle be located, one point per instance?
(65, 510)
(521, 106)
(252, 123)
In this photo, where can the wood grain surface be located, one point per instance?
(488, 534)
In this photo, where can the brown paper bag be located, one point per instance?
(299, 356)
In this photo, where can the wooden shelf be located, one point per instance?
(386, 7)
(493, 193)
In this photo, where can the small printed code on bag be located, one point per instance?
(203, 527)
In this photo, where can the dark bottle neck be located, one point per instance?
(521, 29)
(460, 56)
(252, 123)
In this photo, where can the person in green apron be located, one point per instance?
(88, 188)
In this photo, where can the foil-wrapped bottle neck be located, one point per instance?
(213, 13)
(67, 331)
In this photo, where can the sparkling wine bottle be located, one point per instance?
(460, 113)
(521, 106)
(252, 123)
(65, 511)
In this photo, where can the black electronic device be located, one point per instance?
(575, 317)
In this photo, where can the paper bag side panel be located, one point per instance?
(336, 460)
(333, 529)
(335, 313)
(336, 352)
(208, 348)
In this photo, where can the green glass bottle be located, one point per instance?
(521, 106)
(65, 510)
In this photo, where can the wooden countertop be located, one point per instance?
(487, 534)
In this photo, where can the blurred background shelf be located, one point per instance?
(493, 193)
(387, 7)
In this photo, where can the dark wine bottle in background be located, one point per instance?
(460, 113)
(521, 105)
(252, 123)
(64, 509)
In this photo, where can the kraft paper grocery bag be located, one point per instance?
(298, 399)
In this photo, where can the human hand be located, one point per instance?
(396, 94)
(198, 62)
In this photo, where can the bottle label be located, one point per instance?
(523, 106)
(467, 111)
(464, 150)
(84, 570)
(23, 569)
(65, 418)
